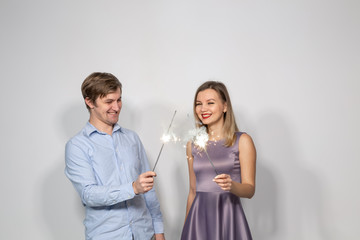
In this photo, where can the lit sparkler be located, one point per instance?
(200, 137)
(165, 138)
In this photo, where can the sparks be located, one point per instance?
(165, 138)
(200, 137)
(169, 137)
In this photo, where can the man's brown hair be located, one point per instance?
(99, 84)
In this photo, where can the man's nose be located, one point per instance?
(116, 106)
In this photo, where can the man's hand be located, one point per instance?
(144, 183)
(159, 236)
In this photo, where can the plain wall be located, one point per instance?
(292, 69)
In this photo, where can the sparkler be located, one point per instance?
(200, 138)
(165, 138)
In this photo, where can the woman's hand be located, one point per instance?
(224, 181)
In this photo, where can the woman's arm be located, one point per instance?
(247, 156)
(192, 179)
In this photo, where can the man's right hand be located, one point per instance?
(144, 183)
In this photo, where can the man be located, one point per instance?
(109, 169)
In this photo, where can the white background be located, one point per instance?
(292, 69)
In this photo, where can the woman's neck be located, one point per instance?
(215, 133)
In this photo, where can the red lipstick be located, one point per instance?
(205, 116)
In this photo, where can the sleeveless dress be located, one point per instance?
(216, 214)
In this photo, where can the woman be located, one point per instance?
(213, 208)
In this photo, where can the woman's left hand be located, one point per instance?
(224, 181)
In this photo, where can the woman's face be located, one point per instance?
(210, 108)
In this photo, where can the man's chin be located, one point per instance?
(113, 121)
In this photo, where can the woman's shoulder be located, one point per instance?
(240, 135)
(245, 140)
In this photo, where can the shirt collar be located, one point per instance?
(89, 129)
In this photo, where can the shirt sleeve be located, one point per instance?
(151, 199)
(79, 170)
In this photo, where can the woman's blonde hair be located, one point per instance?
(230, 126)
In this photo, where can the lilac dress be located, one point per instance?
(214, 213)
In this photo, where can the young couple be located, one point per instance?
(109, 169)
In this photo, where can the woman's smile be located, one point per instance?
(205, 115)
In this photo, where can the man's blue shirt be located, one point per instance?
(102, 168)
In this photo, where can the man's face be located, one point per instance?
(106, 110)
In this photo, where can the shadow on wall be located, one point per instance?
(288, 199)
(262, 210)
(62, 207)
(63, 211)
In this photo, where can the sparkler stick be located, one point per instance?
(211, 162)
(164, 140)
(200, 138)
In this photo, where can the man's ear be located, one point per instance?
(89, 103)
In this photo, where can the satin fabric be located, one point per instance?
(216, 214)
